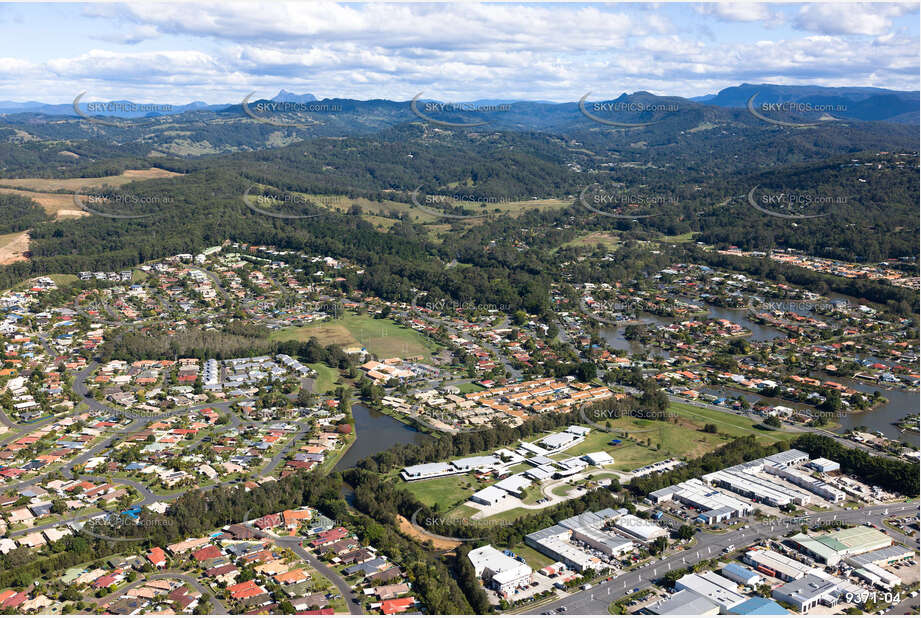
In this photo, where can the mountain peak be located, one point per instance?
(284, 96)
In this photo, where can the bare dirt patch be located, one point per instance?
(13, 247)
(407, 528)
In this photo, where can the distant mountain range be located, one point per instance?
(855, 103)
(871, 104)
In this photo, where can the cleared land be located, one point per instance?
(383, 338)
(59, 205)
(73, 184)
(407, 528)
(62, 205)
(13, 246)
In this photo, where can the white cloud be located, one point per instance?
(866, 19)
(739, 11)
(219, 53)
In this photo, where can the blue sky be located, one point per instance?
(220, 52)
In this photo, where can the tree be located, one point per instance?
(685, 532)
(710, 428)
(772, 421)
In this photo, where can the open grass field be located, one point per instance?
(686, 237)
(726, 422)
(374, 211)
(446, 491)
(383, 338)
(593, 239)
(326, 379)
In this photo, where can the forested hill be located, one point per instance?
(675, 131)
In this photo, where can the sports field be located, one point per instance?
(383, 338)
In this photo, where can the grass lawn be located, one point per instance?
(326, 379)
(446, 491)
(469, 387)
(686, 237)
(727, 422)
(534, 558)
(383, 338)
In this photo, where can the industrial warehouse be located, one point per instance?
(759, 482)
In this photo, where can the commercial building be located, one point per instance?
(824, 465)
(776, 565)
(801, 479)
(718, 589)
(813, 547)
(685, 603)
(500, 571)
(489, 496)
(696, 494)
(740, 575)
(742, 480)
(878, 576)
(554, 542)
(856, 540)
(881, 557)
(643, 529)
(560, 541)
(427, 471)
(808, 592)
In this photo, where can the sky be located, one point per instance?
(220, 52)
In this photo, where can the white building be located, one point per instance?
(489, 496)
(501, 572)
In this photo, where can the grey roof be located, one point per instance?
(786, 457)
(886, 553)
(554, 530)
(686, 602)
(806, 588)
